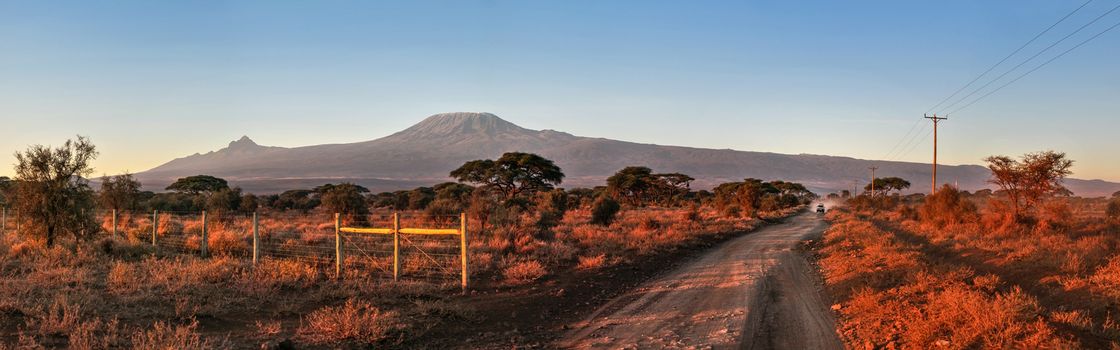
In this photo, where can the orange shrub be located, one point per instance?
(591, 262)
(522, 272)
(355, 321)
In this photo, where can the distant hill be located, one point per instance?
(425, 153)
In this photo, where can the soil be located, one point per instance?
(749, 290)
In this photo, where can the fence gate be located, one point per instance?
(405, 247)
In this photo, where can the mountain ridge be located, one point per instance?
(424, 154)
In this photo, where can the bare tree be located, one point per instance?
(53, 193)
(1028, 181)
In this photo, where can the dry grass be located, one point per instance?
(355, 321)
(522, 272)
(976, 278)
(120, 292)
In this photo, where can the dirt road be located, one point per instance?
(754, 292)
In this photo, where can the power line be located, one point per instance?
(1005, 58)
(989, 83)
(914, 145)
(1038, 67)
(904, 138)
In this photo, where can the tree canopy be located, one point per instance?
(888, 184)
(750, 196)
(52, 188)
(346, 199)
(513, 174)
(638, 185)
(1029, 180)
(198, 184)
(120, 192)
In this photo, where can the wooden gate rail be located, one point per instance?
(396, 231)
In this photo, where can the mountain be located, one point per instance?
(426, 152)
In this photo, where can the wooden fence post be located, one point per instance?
(337, 246)
(256, 239)
(396, 247)
(155, 225)
(114, 222)
(202, 246)
(463, 248)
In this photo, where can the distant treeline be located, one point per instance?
(50, 188)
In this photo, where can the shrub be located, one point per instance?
(947, 207)
(224, 242)
(524, 272)
(604, 211)
(1054, 215)
(354, 321)
(591, 262)
(1113, 209)
(165, 336)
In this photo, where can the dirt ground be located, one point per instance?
(755, 290)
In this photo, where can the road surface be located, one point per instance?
(753, 292)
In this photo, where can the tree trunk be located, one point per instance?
(50, 235)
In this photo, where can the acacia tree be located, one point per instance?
(631, 184)
(638, 185)
(119, 192)
(198, 184)
(1029, 180)
(513, 174)
(743, 197)
(346, 199)
(53, 192)
(888, 184)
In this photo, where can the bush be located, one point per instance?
(165, 336)
(947, 207)
(524, 272)
(1054, 215)
(604, 211)
(355, 321)
(1113, 210)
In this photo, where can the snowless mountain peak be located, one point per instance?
(461, 123)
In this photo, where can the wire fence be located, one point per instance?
(407, 245)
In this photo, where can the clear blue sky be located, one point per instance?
(153, 80)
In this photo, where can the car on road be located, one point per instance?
(820, 208)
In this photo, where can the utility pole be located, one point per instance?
(935, 120)
(873, 180)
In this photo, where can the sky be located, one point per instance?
(150, 81)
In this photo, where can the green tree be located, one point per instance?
(249, 203)
(346, 199)
(301, 200)
(638, 185)
(884, 185)
(198, 184)
(53, 193)
(224, 201)
(7, 189)
(420, 197)
(513, 174)
(744, 198)
(631, 184)
(119, 192)
(604, 211)
(1029, 180)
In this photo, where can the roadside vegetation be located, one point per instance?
(66, 282)
(1025, 266)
